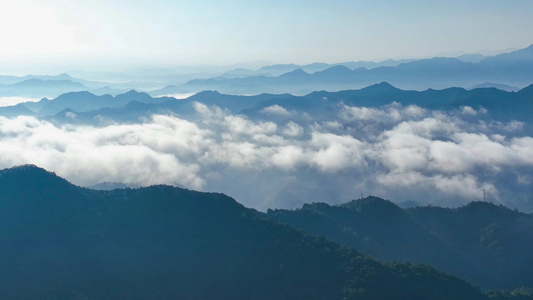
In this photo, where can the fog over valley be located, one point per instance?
(275, 156)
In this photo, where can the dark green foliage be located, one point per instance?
(493, 243)
(60, 241)
(486, 244)
(521, 293)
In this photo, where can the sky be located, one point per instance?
(54, 34)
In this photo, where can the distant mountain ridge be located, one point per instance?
(35, 87)
(40, 86)
(279, 69)
(85, 101)
(499, 103)
(514, 69)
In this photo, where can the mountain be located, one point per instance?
(486, 244)
(334, 73)
(35, 87)
(232, 102)
(499, 86)
(240, 72)
(46, 84)
(500, 104)
(513, 69)
(486, 236)
(16, 110)
(39, 86)
(86, 101)
(279, 69)
(60, 241)
(79, 101)
(471, 58)
(106, 90)
(514, 58)
(133, 110)
(297, 74)
(9, 80)
(167, 90)
(108, 186)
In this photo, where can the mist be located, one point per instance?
(398, 152)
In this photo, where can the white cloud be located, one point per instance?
(414, 111)
(367, 113)
(87, 155)
(287, 157)
(393, 112)
(276, 110)
(293, 129)
(333, 153)
(450, 157)
(467, 110)
(423, 155)
(332, 124)
(70, 114)
(10, 101)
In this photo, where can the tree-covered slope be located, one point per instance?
(486, 244)
(60, 241)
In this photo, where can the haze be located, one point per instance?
(58, 35)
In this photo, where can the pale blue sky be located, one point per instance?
(107, 34)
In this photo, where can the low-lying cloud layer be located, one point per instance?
(401, 153)
(10, 101)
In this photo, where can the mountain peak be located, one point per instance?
(30, 176)
(27, 169)
(131, 92)
(205, 95)
(297, 72)
(528, 49)
(76, 95)
(373, 205)
(22, 168)
(478, 206)
(64, 76)
(381, 87)
(338, 70)
(134, 95)
(520, 56)
(209, 92)
(527, 90)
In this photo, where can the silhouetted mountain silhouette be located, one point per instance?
(61, 241)
(471, 241)
(514, 69)
(500, 104)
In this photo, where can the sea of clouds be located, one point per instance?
(397, 152)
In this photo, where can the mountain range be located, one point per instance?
(279, 69)
(66, 242)
(481, 242)
(510, 71)
(513, 69)
(35, 87)
(501, 105)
